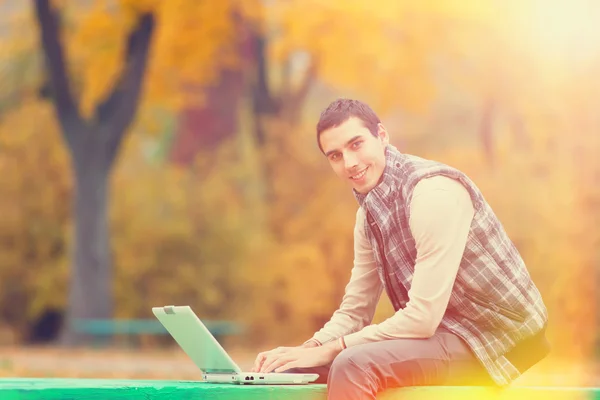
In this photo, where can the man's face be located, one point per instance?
(355, 154)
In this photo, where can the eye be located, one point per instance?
(334, 156)
(356, 144)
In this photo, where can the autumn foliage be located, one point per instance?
(261, 232)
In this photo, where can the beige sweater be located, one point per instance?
(440, 219)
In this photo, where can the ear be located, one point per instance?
(382, 133)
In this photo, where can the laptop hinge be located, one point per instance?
(169, 309)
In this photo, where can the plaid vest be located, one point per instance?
(494, 307)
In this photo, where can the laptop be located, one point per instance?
(209, 356)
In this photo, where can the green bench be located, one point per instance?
(101, 330)
(54, 389)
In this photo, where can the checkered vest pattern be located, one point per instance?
(494, 305)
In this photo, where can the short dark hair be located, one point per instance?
(340, 110)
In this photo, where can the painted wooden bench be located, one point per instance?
(54, 389)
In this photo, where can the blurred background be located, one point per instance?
(163, 152)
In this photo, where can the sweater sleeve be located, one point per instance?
(362, 293)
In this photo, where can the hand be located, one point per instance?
(300, 357)
(261, 357)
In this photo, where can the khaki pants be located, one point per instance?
(362, 371)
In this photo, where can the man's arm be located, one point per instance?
(356, 311)
(440, 220)
(361, 295)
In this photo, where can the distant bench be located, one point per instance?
(105, 329)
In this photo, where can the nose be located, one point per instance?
(350, 161)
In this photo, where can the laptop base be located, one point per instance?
(254, 378)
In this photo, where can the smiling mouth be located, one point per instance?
(360, 175)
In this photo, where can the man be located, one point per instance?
(467, 311)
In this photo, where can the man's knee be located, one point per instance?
(351, 364)
(351, 376)
(378, 365)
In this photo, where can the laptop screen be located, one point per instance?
(195, 339)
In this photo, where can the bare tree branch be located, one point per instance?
(48, 20)
(291, 104)
(119, 110)
(300, 94)
(286, 79)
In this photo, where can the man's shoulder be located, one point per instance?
(427, 174)
(438, 190)
(424, 166)
(439, 182)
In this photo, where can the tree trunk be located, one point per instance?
(263, 102)
(284, 106)
(90, 293)
(93, 147)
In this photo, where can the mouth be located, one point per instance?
(360, 175)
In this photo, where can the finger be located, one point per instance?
(285, 367)
(269, 360)
(266, 362)
(278, 363)
(272, 354)
(260, 358)
(257, 362)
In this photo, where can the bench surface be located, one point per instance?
(108, 389)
